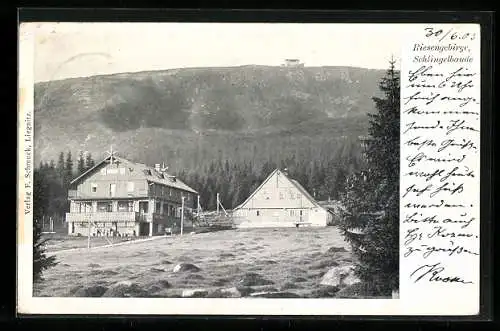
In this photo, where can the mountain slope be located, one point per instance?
(190, 115)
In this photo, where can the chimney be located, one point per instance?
(157, 167)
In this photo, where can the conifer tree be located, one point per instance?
(61, 170)
(41, 261)
(371, 199)
(89, 161)
(68, 167)
(81, 164)
(40, 203)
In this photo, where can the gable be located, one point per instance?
(278, 191)
(104, 170)
(124, 169)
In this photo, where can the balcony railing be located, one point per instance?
(119, 216)
(74, 194)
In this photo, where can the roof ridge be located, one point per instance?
(178, 184)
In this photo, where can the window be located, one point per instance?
(281, 196)
(103, 171)
(122, 171)
(87, 207)
(170, 192)
(104, 207)
(112, 171)
(158, 207)
(258, 213)
(93, 187)
(112, 190)
(123, 205)
(130, 186)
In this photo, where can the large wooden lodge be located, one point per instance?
(124, 198)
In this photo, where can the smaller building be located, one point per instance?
(294, 63)
(118, 197)
(280, 202)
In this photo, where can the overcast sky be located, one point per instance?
(64, 50)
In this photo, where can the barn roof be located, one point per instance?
(293, 181)
(304, 192)
(147, 172)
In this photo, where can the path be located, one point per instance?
(106, 246)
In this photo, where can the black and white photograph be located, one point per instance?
(250, 161)
(250, 169)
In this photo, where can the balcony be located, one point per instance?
(119, 216)
(74, 194)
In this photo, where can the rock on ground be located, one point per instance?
(181, 267)
(254, 279)
(158, 286)
(194, 293)
(90, 291)
(350, 279)
(339, 276)
(332, 250)
(277, 294)
(231, 292)
(125, 289)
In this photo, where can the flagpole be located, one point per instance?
(182, 215)
(217, 204)
(198, 207)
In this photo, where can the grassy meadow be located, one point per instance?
(287, 261)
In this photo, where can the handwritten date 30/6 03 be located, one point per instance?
(452, 34)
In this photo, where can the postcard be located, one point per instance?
(249, 168)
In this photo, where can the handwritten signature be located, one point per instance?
(433, 273)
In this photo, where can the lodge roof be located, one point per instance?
(293, 181)
(146, 172)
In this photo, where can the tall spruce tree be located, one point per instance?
(41, 261)
(81, 163)
(371, 223)
(61, 170)
(68, 167)
(40, 204)
(89, 161)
